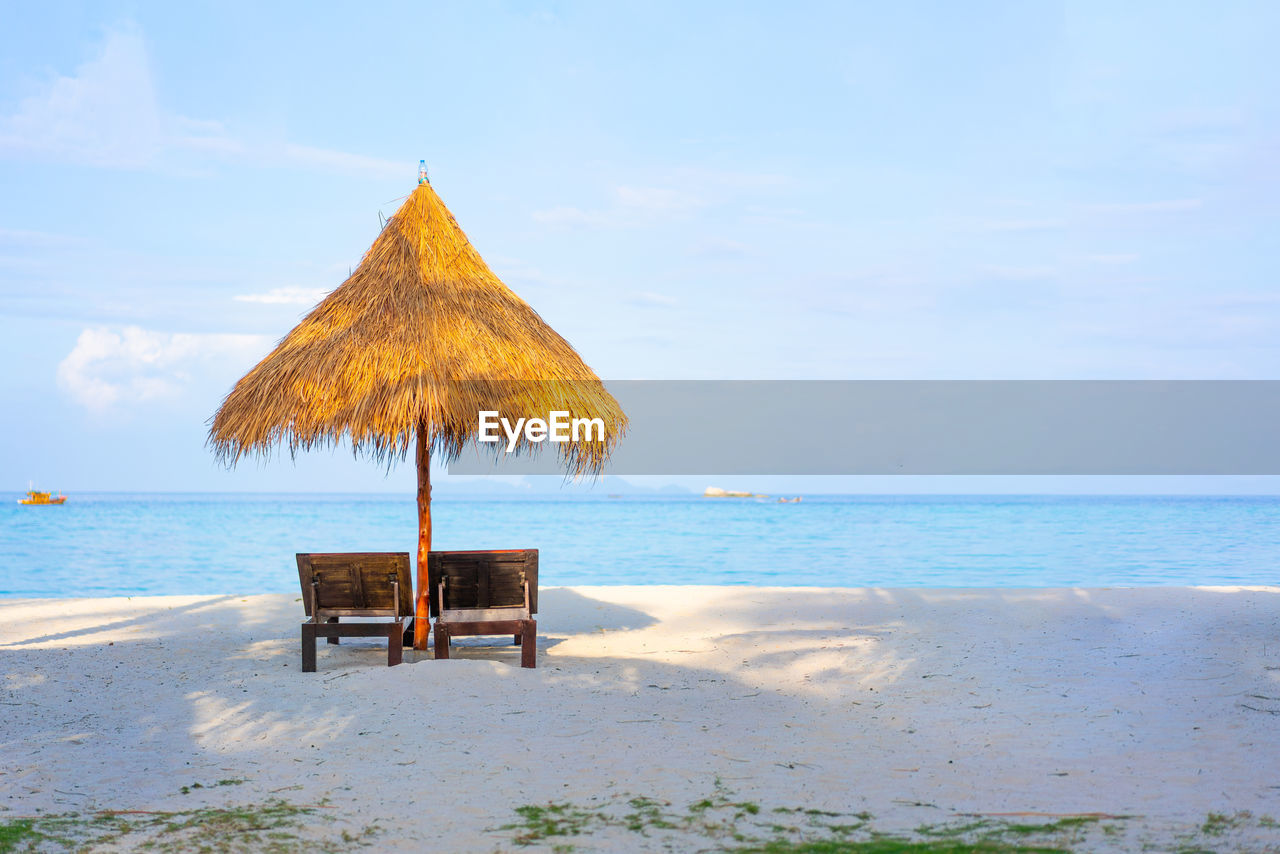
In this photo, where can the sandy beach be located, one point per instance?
(907, 707)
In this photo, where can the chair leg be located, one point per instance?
(308, 647)
(529, 644)
(408, 633)
(442, 641)
(517, 640)
(395, 645)
(333, 640)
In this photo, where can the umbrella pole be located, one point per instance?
(422, 616)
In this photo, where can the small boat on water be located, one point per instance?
(36, 497)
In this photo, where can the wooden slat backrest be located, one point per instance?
(357, 581)
(485, 579)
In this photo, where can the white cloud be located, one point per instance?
(104, 115)
(107, 114)
(134, 365)
(286, 296)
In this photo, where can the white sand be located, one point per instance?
(913, 705)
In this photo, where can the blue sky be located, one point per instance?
(705, 190)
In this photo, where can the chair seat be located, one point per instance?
(483, 615)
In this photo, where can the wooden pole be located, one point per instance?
(422, 616)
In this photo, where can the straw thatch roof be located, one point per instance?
(422, 333)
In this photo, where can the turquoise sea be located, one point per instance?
(131, 544)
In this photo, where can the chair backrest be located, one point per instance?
(357, 584)
(484, 579)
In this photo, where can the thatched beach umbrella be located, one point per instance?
(406, 352)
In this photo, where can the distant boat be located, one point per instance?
(35, 497)
(717, 492)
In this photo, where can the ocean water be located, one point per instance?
(131, 544)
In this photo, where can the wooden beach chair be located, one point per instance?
(486, 593)
(360, 584)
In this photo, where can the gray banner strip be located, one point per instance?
(929, 427)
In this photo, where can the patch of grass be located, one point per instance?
(21, 831)
(542, 822)
(725, 823)
(847, 829)
(1069, 823)
(722, 822)
(953, 830)
(269, 825)
(1218, 823)
(186, 790)
(648, 813)
(274, 827)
